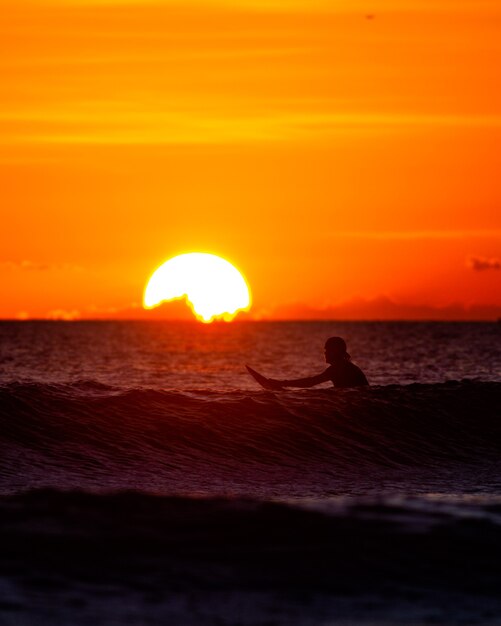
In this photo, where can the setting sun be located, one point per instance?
(212, 286)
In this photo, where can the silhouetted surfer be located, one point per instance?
(342, 372)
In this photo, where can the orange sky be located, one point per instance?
(348, 166)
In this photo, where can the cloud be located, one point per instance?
(337, 6)
(419, 234)
(34, 266)
(62, 314)
(385, 308)
(479, 264)
(153, 127)
(25, 265)
(175, 310)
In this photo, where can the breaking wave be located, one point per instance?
(91, 435)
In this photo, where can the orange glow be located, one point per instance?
(348, 162)
(213, 287)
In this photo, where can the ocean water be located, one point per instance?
(145, 478)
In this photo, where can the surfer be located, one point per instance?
(341, 371)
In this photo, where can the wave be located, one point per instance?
(90, 434)
(351, 546)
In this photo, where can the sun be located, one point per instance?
(212, 286)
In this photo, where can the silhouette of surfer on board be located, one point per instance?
(341, 371)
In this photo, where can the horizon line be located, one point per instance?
(256, 321)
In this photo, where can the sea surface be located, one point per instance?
(145, 478)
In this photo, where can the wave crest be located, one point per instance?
(109, 432)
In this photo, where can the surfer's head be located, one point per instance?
(335, 350)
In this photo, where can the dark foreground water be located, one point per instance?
(146, 479)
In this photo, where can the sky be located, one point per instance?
(344, 155)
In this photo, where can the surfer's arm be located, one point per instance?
(309, 381)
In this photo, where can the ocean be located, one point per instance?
(145, 477)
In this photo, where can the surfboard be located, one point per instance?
(262, 380)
